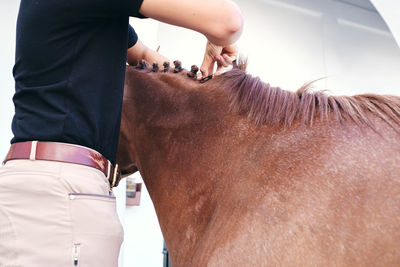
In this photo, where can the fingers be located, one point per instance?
(207, 67)
(221, 65)
(221, 62)
(224, 62)
(219, 71)
(210, 57)
(214, 54)
(229, 59)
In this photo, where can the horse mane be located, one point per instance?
(265, 104)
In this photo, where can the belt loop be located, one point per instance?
(108, 169)
(114, 180)
(32, 156)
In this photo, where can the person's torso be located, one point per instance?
(69, 73)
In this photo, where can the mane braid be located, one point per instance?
(264, 104)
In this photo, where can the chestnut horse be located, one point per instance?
(244, 174)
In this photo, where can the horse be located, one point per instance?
(245, 174)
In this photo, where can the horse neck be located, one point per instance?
(170, 127)
(195, 156)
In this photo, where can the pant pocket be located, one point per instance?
(97, 231)
(8, 242)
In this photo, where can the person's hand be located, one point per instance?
(152, 56)
(222, 55)
(140, 51)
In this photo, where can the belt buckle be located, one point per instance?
(115, 174)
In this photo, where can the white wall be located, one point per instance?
(8, 17)
(291, 42)
(143, 238)
(390, 11)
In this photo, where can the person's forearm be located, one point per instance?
(140, 51)
(219, 20)
(136, 53)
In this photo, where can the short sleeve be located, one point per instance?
(133, 7)
(132, 36)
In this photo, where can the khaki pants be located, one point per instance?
(55, 214)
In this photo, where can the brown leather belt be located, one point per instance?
(63, 152)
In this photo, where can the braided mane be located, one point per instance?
(264, 104)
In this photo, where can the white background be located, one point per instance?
(288, 43)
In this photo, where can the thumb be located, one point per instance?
(207, 67)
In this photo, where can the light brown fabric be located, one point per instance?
(53, 213)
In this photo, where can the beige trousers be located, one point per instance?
(55, 214)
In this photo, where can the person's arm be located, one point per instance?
(141, 51)
(220, 21)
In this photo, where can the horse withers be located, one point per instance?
(244, 174)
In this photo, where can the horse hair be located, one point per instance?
(265, 104)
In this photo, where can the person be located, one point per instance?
(56, 201)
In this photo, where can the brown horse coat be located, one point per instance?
(243, 174)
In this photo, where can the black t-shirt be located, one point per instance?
(69, 71)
